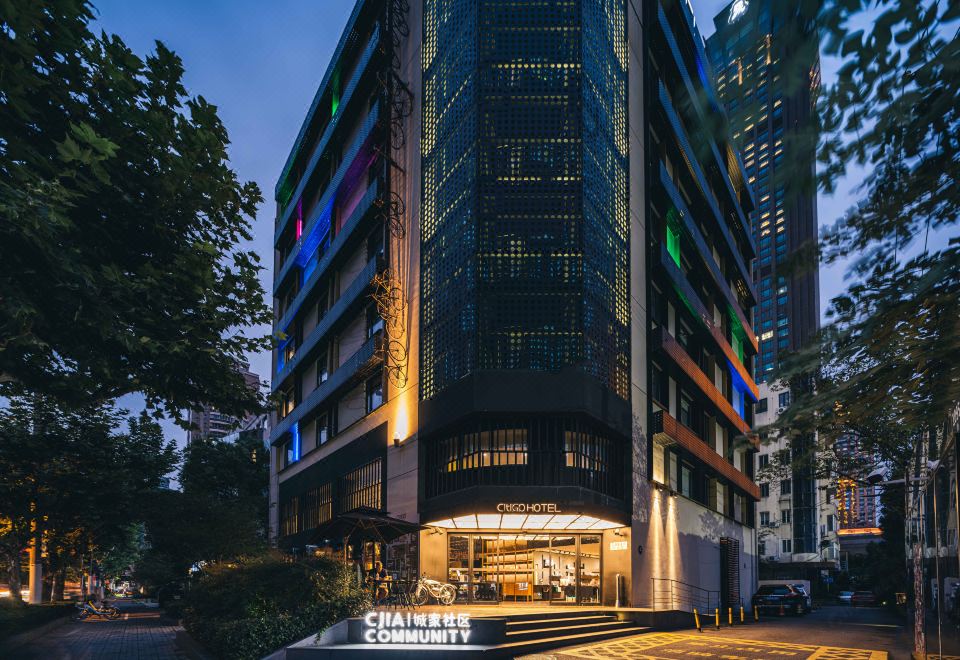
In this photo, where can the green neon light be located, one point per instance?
(673, 236)
(335, 91)
(737, 334)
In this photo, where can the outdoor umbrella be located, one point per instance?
(364, 524)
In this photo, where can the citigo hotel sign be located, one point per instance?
(528, 507)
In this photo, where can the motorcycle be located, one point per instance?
(426, 589)
(104, 611)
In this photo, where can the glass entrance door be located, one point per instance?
(546, 568)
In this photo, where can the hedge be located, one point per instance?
(247, 610)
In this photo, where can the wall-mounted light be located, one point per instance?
(396, 440)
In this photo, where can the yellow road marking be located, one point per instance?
(655, 641)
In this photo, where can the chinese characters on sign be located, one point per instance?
(399, 628)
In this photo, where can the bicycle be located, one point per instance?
(426, 589)
(89, 609)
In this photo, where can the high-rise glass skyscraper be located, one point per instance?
(770, 109)
(767, 73)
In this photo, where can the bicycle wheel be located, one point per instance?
(420, 596)
(82, 614)
(448, 594)
(112, 613)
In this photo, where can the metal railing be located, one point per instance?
(669, 594)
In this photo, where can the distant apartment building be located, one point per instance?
(208, 422)
(792, 527)
(767, 110)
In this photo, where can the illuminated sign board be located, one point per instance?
(737, 9)
(409, 628)
(528, 507)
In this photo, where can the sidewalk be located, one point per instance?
(142, 632)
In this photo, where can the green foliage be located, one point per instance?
(15, 617)
(885, 367)
(220, 514)
(249, 609)
(122, 263)
(73, 475)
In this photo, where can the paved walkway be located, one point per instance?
(830, 633)
(140, 634)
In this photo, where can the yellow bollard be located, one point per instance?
(756, 614)
(729, 616)
(741, 614)
(717, 614)
(696, 619)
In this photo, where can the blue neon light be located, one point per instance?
(319, 233)
(295, 445)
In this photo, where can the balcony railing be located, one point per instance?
(712, 267)
(351, 372)
(331, 128)
(695, 102)
(700, 311)
(664, 424)
(701, 181)
(333, 316)
(669, 345)
(345, 235)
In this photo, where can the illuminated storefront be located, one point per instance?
(526, 553)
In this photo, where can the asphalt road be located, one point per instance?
(837, 633)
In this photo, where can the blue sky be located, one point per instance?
(260, 64)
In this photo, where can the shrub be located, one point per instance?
(15, 617)
(250, 609)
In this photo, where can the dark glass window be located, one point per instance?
(374, 393)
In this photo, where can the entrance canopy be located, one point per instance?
(523, 521)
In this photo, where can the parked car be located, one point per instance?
(845, 597)
(774, 597)
(863, 599)
(809, 601)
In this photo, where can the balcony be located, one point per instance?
(347, 233)
(331, 319)
(699, 310)
(707, 257)
(716, 107)
(357, 367)
(669, 345)
(328, 133)
(668, 431)
(684, 142)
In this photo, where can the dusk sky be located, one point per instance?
(260, 63)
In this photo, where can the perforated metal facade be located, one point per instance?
(524, 250)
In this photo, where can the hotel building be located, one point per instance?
(513, 304)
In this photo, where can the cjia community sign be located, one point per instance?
(408, 628)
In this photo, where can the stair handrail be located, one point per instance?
(671, 594)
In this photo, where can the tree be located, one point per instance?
(71, 476)
(121, 266)
(220, 515)
(885, 365)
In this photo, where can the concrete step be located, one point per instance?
(555, 622)
(513, 649)
(559, 614)
(609, 625)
